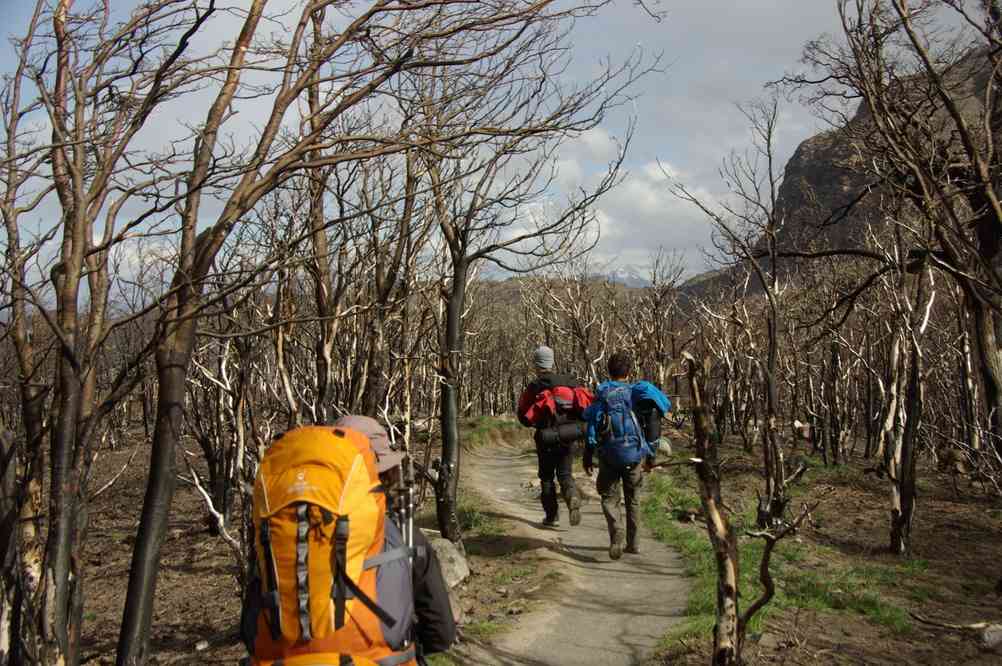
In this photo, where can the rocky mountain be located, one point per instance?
(829, 191)
(830, 196)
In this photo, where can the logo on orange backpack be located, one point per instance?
(301, 486)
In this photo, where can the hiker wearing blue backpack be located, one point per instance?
(623, 426)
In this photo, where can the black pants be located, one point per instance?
(556, 461)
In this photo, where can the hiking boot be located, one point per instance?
(632, 549)
(575, 516)
(575, 510)
(551, 521)
(548, 498)
(616, 547)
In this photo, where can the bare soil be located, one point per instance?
(197, 596)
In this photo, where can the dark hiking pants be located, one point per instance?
(556, 462)
(609, 480)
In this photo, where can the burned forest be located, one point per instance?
(227, 221)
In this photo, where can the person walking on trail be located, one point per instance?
(333, 580)
(553, 404)
(624, 428)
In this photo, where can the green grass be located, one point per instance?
(922, 594)
(483, 628)
(441, 659)
(476, 432)
(829, 588)
(843, 474)
(516, 572)
(837, 589)
(552, 576)
(472, 520)
(876, 573)
(914, 566)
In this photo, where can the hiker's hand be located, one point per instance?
(648, 463)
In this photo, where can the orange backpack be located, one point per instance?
(319, 526)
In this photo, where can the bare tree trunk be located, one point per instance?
(60, 569)
(986, 346)
(891, 406)
(772, 506)
(869, 401)
(9, 506)
(173, 356)
(905, 457)
(172, 365)
(972, 427)
(834, 404)
(450, 357)
(726, 646)
(376, 382)
(295, 417)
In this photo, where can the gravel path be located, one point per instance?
(602, 613)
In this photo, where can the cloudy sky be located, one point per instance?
(716, 53)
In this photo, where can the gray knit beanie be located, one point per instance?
(542, 358)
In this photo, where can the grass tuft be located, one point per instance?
(483, 628)
(475, 522)
(515, 573)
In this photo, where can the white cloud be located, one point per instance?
(661, 171)
(598, 145)
(642, 215)
(570, 174)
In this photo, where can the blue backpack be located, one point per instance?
(622, 442)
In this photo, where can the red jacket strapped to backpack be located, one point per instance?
(549, 397)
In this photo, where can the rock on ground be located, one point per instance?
(455, 568)
(991, 637)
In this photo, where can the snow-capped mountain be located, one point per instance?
(629, 276)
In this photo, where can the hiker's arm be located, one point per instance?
(436, 627)
(592, 416)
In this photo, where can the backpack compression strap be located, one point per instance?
(343, 584)
(271, 599)
(340, 556)
(303, 570)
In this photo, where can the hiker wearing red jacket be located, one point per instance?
(553, 404)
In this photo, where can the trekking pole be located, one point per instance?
(409, 502)
(408, 464)
(407, 505)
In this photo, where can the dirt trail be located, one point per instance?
(600, 613)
